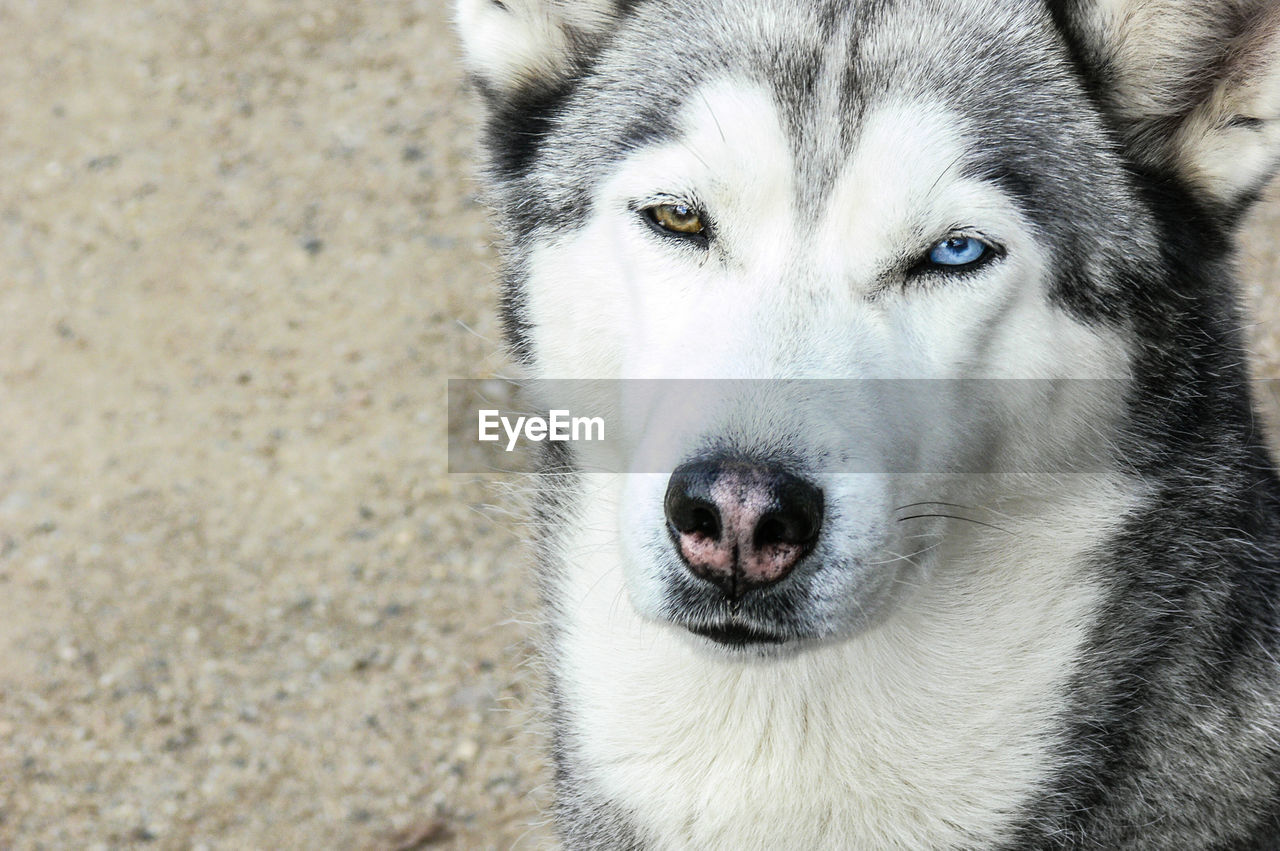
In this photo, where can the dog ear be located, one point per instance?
(509, 45)
(1193, 85)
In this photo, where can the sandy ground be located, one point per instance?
(242, 604)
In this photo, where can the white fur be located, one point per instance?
(873, 738)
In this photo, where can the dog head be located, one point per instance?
(875, 195)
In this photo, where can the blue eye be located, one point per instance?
(958, 251)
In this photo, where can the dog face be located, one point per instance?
(905, 200)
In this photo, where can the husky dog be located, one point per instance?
(760, 644)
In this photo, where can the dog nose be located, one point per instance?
(741, 525)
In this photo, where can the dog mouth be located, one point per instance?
(734, 634)
(763, 620)
(773, 618)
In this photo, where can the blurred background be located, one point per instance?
(242, 604)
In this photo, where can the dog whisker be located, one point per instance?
(955, 517)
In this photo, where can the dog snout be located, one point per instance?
(741, 525)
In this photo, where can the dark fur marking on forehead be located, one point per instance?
(518, 125)
(793, 75)
(649, 126)
(645, 128)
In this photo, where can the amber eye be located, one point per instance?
(676, 218)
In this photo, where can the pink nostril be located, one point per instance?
(741, 525)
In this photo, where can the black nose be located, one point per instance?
(741, 525)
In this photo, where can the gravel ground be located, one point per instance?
(242, 604)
